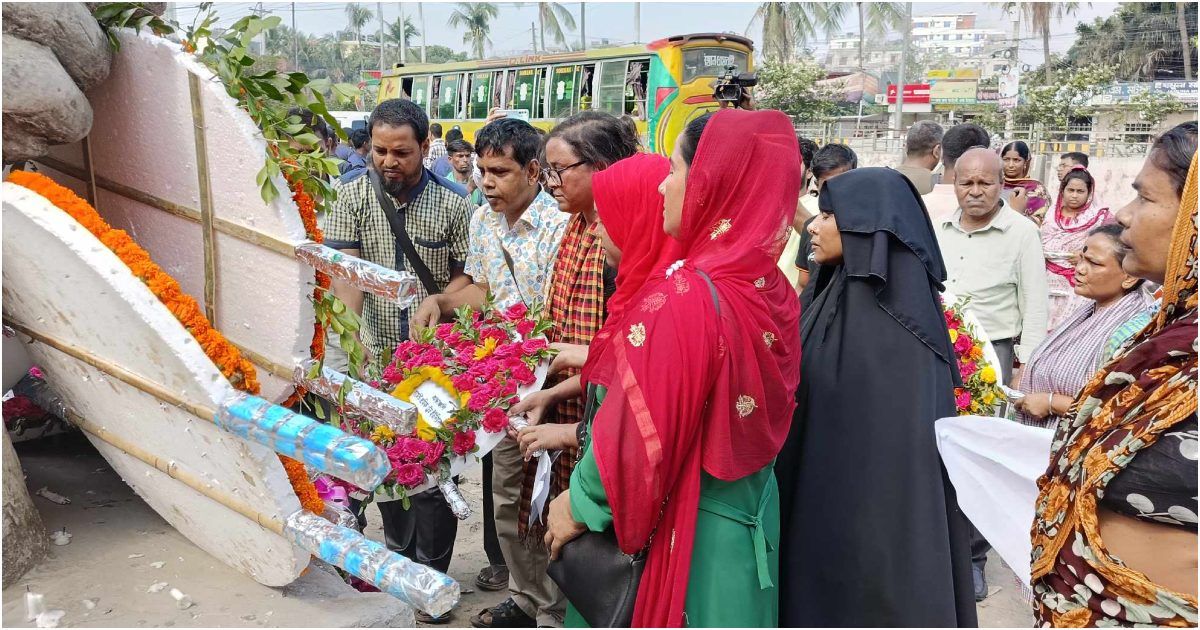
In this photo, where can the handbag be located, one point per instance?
(599, 579)
(396, 222)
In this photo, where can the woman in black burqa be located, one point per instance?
(871, 531)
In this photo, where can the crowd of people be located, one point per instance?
(752, 353)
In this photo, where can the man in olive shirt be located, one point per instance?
(994, 256)
(922, 152)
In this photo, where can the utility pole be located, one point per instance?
(421, 19)
(1014, 65)
(260, 12)
(637, 22)
(582, 26)
(379, 14)
(899, 119)
(295, 42)
(533, 36)
(403, 35)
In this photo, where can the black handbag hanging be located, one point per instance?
(396, 221)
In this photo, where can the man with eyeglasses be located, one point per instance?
(829, 162)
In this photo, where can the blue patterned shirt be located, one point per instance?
(532, 243)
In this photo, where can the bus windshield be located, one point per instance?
(711, 62)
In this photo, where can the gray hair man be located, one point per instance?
(922, 152)
(993, 255)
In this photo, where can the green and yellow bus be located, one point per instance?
(662, 85)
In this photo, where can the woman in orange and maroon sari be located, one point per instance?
(1114, 531)
(699, 378)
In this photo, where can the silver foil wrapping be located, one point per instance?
(454, 498)
(398, 287)
(362, 401)
(319, 446)
(519, 422)
(415, 584)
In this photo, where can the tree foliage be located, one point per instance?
(475, 18)
(792, 88)
(787, 26)
(1155, 107)
(1141, 38)
(1053, 106)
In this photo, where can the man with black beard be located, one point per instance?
(435, 217)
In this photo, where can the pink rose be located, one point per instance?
(525, 327)
(493, 333)
(392, 374)
(410, 475)
(963, 344)
(516, 311)
(433, 455)
(495, 420)
(506, 350)
(464, 442)
(407, 449)
(531, 346)
(36, 372)
(481, 397)
(967, 369)
(521, 373)
(963, 400)
(464, 382)
(443, 331)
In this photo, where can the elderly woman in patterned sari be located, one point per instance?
(1113, 310)
(1114, 532)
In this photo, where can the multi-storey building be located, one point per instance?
(941, 40)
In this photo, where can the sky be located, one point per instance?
(511, 30)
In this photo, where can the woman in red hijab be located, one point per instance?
(694, 386)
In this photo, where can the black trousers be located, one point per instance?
(1005, 352)
(491, 543)
(424, 533)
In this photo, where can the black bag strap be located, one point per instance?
(398, 230)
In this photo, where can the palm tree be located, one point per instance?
(1142, 40)
(476, 18)
(787, 25)
(357, 15)
(554, 16)
(876, 19)
(402, 32)
(1039, 15)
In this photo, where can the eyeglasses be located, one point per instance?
(552, 177)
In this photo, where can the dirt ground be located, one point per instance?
(101, 578)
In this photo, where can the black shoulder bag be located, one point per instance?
(401, 234)
(599, 579)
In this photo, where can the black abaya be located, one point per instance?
(871, 531)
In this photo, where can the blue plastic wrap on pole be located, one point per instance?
(319, 446)
(415, 584)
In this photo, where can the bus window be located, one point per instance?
(610, 89)
(711, 62)
(635, 88)
(527, 91)
(587, 80)
(480, 95)
(420, 91)
(563, 93)
(498, 87)
(447, 97)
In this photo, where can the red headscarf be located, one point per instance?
(631, 211)
(692, 389)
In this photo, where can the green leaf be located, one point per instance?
(307, 139)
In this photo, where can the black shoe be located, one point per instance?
(492, 578)
(506, 614)
(981, 587)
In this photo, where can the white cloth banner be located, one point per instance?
(994, 464)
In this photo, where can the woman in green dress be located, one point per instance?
(690, 387)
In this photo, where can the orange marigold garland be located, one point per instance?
(224, 355)
(308, 216)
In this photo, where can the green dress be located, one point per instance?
(734, 560)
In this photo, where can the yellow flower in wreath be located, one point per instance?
(988, 374)
(405, 389)
(953, 335)
(382, 433)
(989, 397)
(485, 349)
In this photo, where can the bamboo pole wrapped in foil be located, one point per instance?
(454, 498)
(398, 287)
(415, 584)
(319, 446)
(519, 422)
(362, 400)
